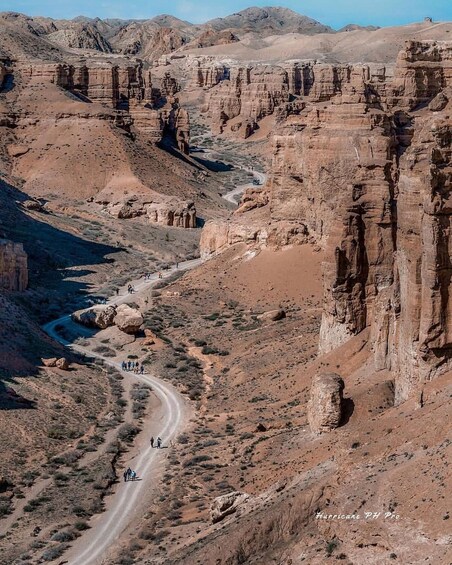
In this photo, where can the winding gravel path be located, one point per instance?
(239, 190)
(123, 505)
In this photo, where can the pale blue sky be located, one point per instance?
(335, 13)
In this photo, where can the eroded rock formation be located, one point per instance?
(170, 212)
(127, 88)
(246, 95)
(362, 167)
(13, 266)
(325, 405)
(226, 505)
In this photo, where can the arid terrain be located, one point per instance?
(233, 236)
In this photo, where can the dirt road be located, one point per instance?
(126, 502)
(231, 196)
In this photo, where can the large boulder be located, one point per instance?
(326, 402)
(272, 316)
(226, 504)
(97, 317)
(62, 364)
(51, 362)
(127, 319)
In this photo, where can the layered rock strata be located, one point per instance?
(363, 169)
(171, 212)
(252, 93)
(127, 89)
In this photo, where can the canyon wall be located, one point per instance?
(128, 88)
(369, 175)
(247, 94)
(362, 167)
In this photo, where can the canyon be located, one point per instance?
(343, 168)
(267, 236)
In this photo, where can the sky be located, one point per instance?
(335, 13)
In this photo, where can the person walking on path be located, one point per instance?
(129, 363)
(152, 441)
(123, 366)
(142, 369)
(125, 476)
(129, 473)
(159, 443)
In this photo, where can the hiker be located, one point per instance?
(133, 475)
(129, 473)
(125, 476)
(152, 441)
(123, 366)
(129, 363)
(160, 275)
(177, 264)
(142, 369)
(159, 443)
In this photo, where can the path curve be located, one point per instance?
(239, 190)
(111, 523)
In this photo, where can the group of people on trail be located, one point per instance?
(147, 276)
(130, 289)
(133, 366)
(129, 475)
(156, 442)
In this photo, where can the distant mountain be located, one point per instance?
(269, 21)
(151, 38)
(356, 27)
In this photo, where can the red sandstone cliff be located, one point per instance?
(361, 166)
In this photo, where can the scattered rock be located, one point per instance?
(127, 319)
(261, 427)
(16, 150)
(149, 338)
(226, 504)
(272, 316)
(326, 402)
(51, 362)
(62, 364)
(439, 102)
(5, 485)
(33, 205)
